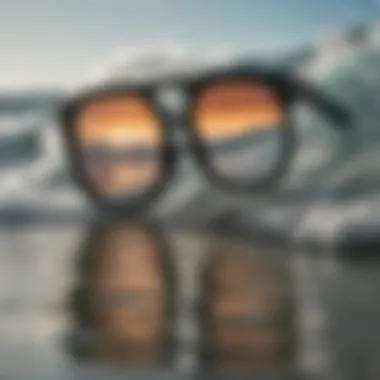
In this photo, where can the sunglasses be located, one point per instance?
(123, 144)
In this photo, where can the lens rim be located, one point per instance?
(284, 93)
(166, 153)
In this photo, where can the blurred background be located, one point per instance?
(52, 50)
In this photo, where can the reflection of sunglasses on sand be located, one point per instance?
(123, 303)
(127, 303)
(122, 145)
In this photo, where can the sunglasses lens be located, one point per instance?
(120, 139)
(239, 124)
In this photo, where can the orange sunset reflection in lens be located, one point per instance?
(120, 138)
(236, 120)
(229, 109)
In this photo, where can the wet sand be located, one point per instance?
(337, 308)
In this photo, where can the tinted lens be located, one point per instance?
(239, 123)
(120, 139)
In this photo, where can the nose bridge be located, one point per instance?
(188, 179)
(173, 99)
(189, 182)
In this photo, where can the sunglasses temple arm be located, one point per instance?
(337, 113)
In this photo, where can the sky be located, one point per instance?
(49, 43)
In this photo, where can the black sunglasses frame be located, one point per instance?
(287, 88)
